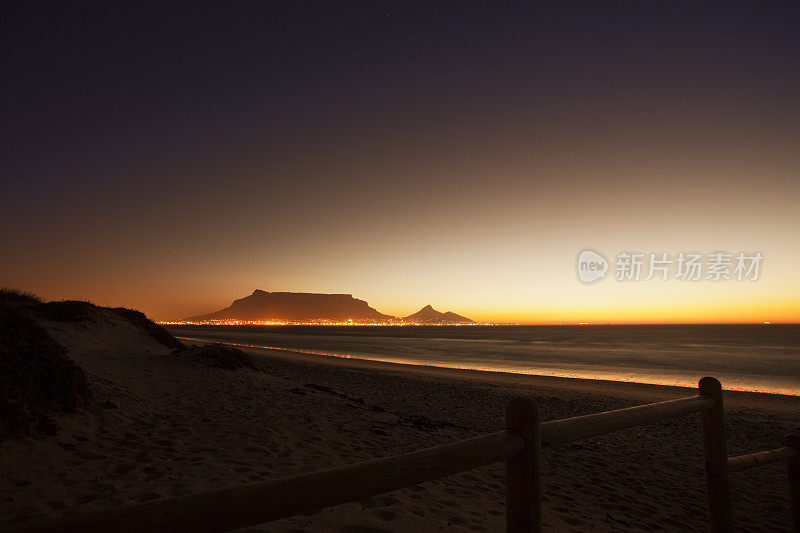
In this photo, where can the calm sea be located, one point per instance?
(762, 358)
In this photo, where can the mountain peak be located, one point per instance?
(429, 315)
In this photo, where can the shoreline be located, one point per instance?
(566, 383)
(590, 484)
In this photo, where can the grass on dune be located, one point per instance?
(220, 356)
(37, 379)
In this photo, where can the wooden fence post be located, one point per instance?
(716, 454)
(523, 471)
(793, 470)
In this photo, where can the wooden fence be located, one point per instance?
(519, 445)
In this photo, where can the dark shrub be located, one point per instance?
(67, 311)
(220, 356)
(77, 311)
(15, 297)
(37, 379)
(138, 319)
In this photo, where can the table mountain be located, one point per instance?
(297, 307)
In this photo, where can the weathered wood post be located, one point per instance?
(793, 470)
(523, 471)
(717, 484)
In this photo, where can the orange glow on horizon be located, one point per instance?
(766, 313)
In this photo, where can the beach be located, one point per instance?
(163, 426)
(749, 357)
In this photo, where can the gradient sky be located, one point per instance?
(173, 158)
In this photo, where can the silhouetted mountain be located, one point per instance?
(429, 315)
(297, 307)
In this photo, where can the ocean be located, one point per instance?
(763, 358)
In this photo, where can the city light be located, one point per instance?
(275, 322)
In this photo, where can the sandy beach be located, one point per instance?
(162, 426)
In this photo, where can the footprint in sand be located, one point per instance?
(255, 449)
(385, 515)
(358, 528)
(148, 496)
(456, 520)
(85, 498)
(53, 504)
(122, 469)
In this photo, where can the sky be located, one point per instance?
(171, 158)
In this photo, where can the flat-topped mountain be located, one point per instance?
(318, 308)
(297, 307)
(429, 315)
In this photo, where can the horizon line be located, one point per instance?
(476, 324)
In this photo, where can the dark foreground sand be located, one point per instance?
(162, 426)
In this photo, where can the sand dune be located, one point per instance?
(162, 426)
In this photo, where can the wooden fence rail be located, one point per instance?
(791, 455)
(580, 427)
(753, 460)
(519, 445)
(246, 505)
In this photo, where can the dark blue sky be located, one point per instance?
(99, 82)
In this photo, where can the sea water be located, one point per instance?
(764, 358)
